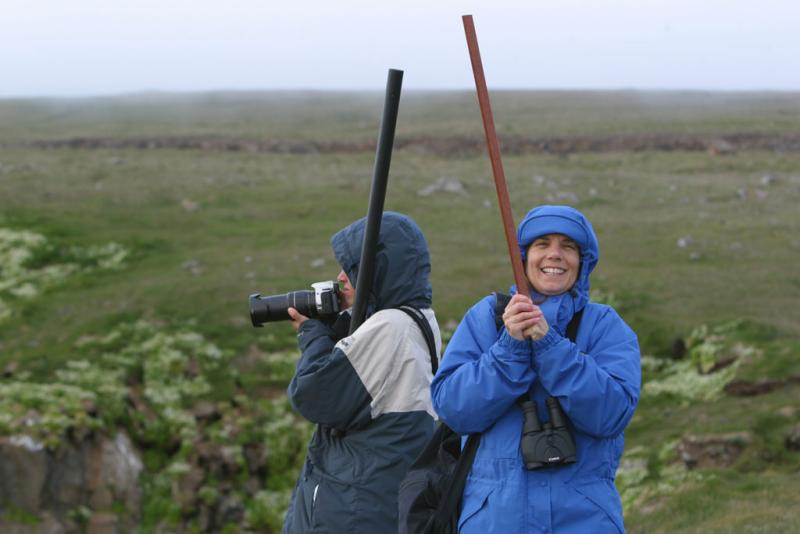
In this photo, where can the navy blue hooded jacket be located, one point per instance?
(369, 392)
(596, 380)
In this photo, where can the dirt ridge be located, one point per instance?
(442, 146)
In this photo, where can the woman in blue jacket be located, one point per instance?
(596, 379)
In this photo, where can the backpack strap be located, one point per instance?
(427, 333)
(501, 300)
(449, 509)
(574, 324)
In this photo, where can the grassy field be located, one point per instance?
(686, 238)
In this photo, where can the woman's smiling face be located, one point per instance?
(552, 264)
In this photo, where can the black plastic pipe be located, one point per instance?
(380, 177)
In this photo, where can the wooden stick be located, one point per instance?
(494, 155)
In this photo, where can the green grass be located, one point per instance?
(206, 228)
(727, 502)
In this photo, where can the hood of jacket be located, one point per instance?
(402, 262)
(543, 220)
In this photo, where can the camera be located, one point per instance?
(549, 444)
(321, 302)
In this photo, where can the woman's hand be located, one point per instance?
(524, 320)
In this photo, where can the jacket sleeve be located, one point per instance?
(325, 388)
(598, 390)
(481, 374)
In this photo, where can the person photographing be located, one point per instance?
(369, 392)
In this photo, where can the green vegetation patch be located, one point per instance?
(644, 478)
(45, 412)
(156, 382)
(30, 264)
(713, 359)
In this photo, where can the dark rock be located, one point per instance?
(66, 481)
(208, 452)
(678, 348)
(231, 459)
(185, 489)
(792, 439)
(748, 388)
(225, 485)
(10, 369)
(90, 407)
(717, 450)
(722, 363)
(562, 197)
(50, 525)
(445, 184)
(719, 147)
(768, 180)
(95, 473)
(113, 473)
(192, 368)
(103, 523)
(253, 485)
(206, 411)
(79, 434)
(207, 519)
(47, 525)
(231, 510)
(23, 473)
(255, 458)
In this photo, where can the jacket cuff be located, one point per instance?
(548, 340)
(310, 330)
(516, 348)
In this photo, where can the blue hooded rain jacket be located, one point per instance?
(369, 392)
(596, 380)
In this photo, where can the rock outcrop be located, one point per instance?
(78, 486)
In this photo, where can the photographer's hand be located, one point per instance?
(297, 318)
(524, 320)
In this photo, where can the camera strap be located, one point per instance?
(429, 496)
(427, 333)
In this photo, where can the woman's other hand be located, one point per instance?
(523, 319)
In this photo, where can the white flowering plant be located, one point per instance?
(30, 265)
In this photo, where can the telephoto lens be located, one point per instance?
(276, 307)
(322, 302)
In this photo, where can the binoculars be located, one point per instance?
(549, 444)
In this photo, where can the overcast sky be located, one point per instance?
(90, 47)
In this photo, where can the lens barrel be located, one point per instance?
(557, 417)
(276, 307)
(531, 435)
